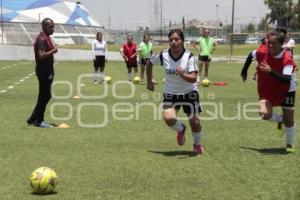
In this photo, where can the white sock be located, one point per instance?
(95, 76)
(102, 76)
(129, 76)
(197, 137)
(275, 118)
(142, 76)
(290, 133)
(177, 126)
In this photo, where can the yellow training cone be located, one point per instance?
(63, 125)
(76, 97)
(82, 84)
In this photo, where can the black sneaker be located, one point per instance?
(30, 121)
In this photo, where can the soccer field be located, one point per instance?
(134, 155)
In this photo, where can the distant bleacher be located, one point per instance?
(25, 33)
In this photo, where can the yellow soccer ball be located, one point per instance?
(43, 180)
(136, 80)
(205, 83)
(108, 79)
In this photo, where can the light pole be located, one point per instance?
(232, 28)
(161, 22)
(217, 19)
(1, 23)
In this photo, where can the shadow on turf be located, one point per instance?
(48, 194)
(280, 151)
(183, 154)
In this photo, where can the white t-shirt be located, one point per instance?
(289, 46)
(174, 84)
(99, 48)
(287, 70)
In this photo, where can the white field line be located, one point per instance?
(14, 65)
(17, 83)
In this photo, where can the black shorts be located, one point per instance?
(131, 64)
(189, 102)
(99, 62)
(289, 100)
(204, 58)
(143, 61)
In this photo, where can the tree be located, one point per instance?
(250, 28)
(193, 30)
(281, 12)
(263, 25)
(295, 21)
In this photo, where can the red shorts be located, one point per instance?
(278, 100)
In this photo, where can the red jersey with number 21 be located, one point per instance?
(269, 88)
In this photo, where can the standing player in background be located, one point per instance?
(276, 85)
(206, 48)
(145, 52)
(180, 88)
(99, 50)
(129, 53)
(289, 44)
(44, 50)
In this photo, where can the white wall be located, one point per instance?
(15, 52)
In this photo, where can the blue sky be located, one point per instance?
(126, 14)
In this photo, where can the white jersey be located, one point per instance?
(174, 84)
(287, 70)
(289, 46)
(99, 48)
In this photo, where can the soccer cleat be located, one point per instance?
(180, 136)
(198, 148)
(290, 148)
(95, 81)
(280, 129)
(44, 124)
(30, 121)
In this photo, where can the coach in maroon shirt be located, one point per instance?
(43, 50)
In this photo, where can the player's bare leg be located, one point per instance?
(142, 74)
(265, 109)
(200, 70)
(206, 69)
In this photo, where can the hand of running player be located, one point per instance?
(265, 67)
(180, 70)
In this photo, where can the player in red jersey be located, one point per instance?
(276, 84)
(129, 53)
